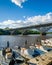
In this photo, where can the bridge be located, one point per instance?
(43, 28)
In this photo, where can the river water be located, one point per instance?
(19, 40)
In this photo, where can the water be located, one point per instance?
(19, 40)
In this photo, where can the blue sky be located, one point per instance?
(25, 12)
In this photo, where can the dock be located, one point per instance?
(44, 59)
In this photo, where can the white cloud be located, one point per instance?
(19, 2)
(40, 18)
(34, 20)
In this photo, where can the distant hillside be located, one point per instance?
(4, 32)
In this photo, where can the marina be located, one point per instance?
(38, 54)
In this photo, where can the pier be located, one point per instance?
(44, 59)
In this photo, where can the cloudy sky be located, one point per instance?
(18, 13)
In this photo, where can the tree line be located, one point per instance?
(18, 32)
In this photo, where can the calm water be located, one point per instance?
(19, 40)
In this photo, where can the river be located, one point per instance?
(19, 40)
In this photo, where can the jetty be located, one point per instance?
(44, 59)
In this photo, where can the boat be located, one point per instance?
(47, 42)
(10, 55)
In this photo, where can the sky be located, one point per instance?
(19, 13)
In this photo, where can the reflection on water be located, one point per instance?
(19, 40)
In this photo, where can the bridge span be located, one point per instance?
(34, 26)
(43, 28)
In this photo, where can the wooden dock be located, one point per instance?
(43, 59)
